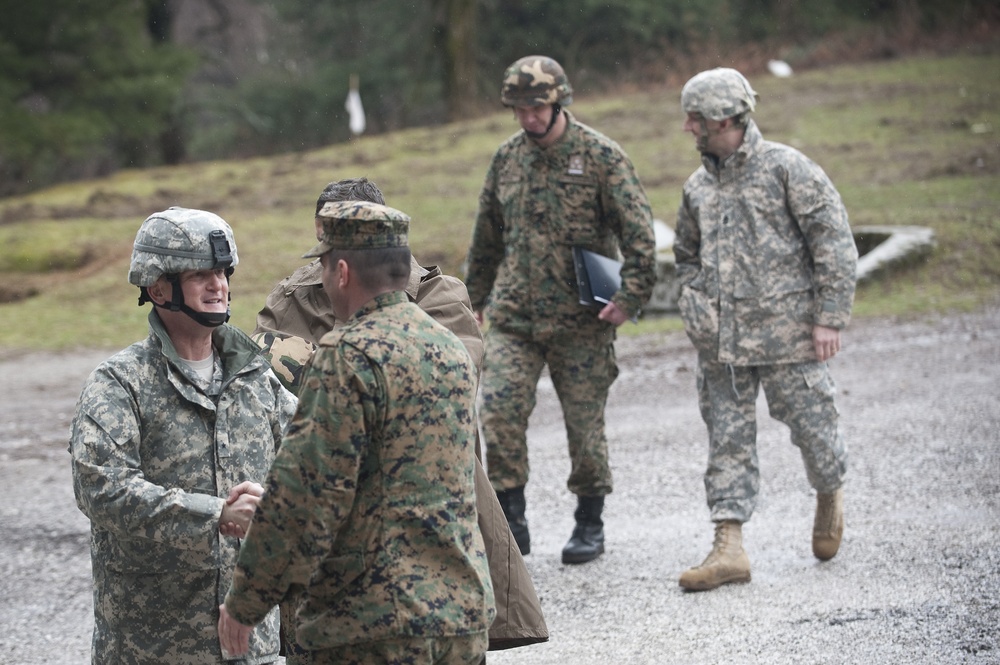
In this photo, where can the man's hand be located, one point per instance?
(479, 317)
(612, 314)
(234, 637)
(826, 342)
(239, 509)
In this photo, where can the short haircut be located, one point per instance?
(377, 269)
(350, 189)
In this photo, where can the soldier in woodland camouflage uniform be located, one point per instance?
(555, 185)
(298, 314)
(170, 440)
(767, 262)
(369, 516)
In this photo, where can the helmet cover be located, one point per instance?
(180, 239)
(535, 80)
(718, 94)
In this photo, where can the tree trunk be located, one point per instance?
(455, 32)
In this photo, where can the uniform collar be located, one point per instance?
(380, 301)
(752, 139)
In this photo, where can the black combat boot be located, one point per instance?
(587, 541)
(512, 502)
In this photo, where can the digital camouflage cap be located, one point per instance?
(359, 225)
(718, 94)
(535, 80)
(180, 239)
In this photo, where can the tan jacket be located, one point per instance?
(299, 307)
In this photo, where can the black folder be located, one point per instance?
(597, 277)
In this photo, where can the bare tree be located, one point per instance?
(455, 39)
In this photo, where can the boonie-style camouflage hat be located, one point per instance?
(359, 225)
(535, 80)
(718, 94)
(287, 355)
(180, 239)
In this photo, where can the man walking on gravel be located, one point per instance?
(767, 261)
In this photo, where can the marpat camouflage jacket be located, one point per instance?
(370, 507)
(764, 252)
(535, 206)
(154, 458)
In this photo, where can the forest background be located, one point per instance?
(901, 112)
(88, 88)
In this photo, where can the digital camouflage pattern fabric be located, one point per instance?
(461, 650)
(513, 368)
(359, 225)
(177, 240)
(369, 515)
(535, 206)
(154, 456)
(718, 94)
(800, 395)
(763, 251)
(296, 316)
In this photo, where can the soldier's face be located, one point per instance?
(708, 134)
(534, 119)
(206, 290)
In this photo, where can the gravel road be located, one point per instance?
(917, 579)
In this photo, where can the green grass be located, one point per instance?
(914, 141)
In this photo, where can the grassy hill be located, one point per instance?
(914, 141)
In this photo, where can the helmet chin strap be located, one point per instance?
(702, 142)
(176, 304)
(207, 319)
(556, 110)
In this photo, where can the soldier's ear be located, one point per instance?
(157, 291)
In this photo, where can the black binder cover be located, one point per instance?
(597, 277)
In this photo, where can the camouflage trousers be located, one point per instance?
(799, 395)
(582, 369)
(458, 650)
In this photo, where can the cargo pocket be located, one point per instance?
(700, 313)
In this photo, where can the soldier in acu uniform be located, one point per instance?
(170, 440)
(555, 185)
(767, 264)
(369, 515)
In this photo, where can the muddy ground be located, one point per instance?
(917, 579)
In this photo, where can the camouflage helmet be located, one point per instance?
(535, 80)
(718, 94)
(180, 239)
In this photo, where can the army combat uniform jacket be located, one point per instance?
(154, 458)
(764, 252)
(369, 517)
(535, 206)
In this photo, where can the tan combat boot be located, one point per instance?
(727, 562)
(828, 527)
